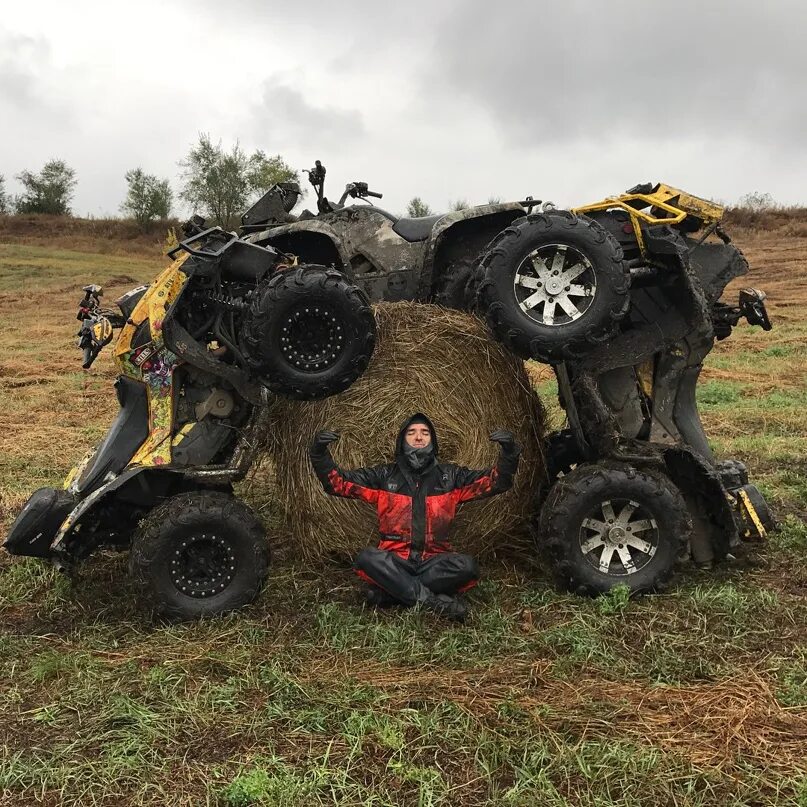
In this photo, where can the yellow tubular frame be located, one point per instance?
(685, 204)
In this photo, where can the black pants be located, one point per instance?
(413, 580)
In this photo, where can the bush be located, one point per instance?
(757, 202)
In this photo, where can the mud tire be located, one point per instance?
(288, 294)
(575, 496)
(552, 343)
(187, 516)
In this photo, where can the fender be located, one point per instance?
(74, 516)
(714, 528)
(449, 230)
(298, 230)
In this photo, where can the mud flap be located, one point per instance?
(35, 527)
(714, 527)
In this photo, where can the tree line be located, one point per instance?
(217, 183)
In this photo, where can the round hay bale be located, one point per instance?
(427, 359)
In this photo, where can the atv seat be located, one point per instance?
(418, 229)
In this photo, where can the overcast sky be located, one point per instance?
(568, 101)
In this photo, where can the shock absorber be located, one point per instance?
(226, 301)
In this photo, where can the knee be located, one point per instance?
(367, 558)
(468, 567)
(363, 559)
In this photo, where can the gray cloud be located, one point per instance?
(566, 100)
(289, 116)
(24, 64)
(589, 71)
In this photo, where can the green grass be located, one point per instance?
(308, 698)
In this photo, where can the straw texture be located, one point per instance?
(429, 359)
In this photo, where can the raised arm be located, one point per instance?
(479, 484)
(360, 483)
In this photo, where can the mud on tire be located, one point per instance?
(554, 285)
(199, 554)
(605, 525)
(309, 332)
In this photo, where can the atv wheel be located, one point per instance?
(199, 554)
(452, 292)
(606, 525)
(554, 285)
(309, 333)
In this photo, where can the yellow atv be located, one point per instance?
(198, 352)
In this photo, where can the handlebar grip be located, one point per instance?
(377, 195)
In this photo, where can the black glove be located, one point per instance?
(507, 443)
(319, 448)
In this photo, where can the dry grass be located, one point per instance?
(785, 222)
(104, 236)
(693, 698)
(714, 725)
(431, 360)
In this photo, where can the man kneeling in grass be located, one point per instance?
(416, 499)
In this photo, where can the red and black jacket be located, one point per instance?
(415, 509)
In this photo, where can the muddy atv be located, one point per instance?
(635, 486)
(436, 259)
(622, 298)
(199, 353)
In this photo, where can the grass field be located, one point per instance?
(695, 697)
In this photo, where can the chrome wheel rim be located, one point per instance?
(202, 565)
(555, 285)
(619, 537)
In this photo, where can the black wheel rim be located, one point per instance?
(555, 285)
(203, 565)
(312, 338)
(619, 537)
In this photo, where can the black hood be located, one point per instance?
(399, 443)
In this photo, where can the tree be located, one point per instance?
(222, 184)
(49, 191)
(5, 201)
(458, 204)
(757, 202)
(148, 198)
(417, 207)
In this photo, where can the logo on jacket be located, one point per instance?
(392, 486)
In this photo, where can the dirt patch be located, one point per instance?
(120, 280)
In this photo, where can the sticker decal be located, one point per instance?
(143, 354)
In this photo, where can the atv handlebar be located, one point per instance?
(358, 190)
